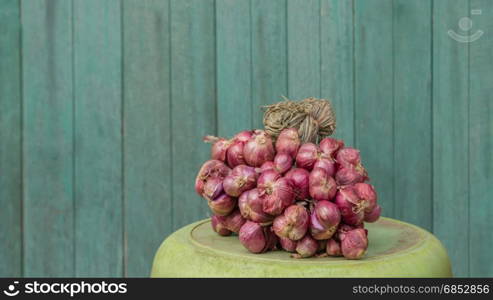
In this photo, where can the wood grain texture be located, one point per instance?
(233, 52)
(98, 139)
(337, 63)
(413, 160)
(481, 143)
(48, 138)
(193, 109)
(374, 95)
(10, 140)
(147, 132)
(269, 51)
(450, 134)
(303, 30)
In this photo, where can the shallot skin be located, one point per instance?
(324, 220)
(333, 248)
(241, 179)
(258, 149)
(257, 239)
(287, 244)
(354, 244)
(211, 168)
(331, 146)
(288, 142)
(219, 227)
(222, 205)
(292, 224)
(374, 215)
(299, 180)
(233, 221)
(235, 154)
(307, 156)
(346, 200)
(321, 185)
(306, 247)
(251, 207)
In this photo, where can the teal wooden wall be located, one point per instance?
(103, 105)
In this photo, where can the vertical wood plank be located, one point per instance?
(450, 134)
(98, 152)
(303, 48)
(10, 140)
(374, 95)
(337, 63)
(147, 139)
(481, 142)
(269, 60)
(412, 112)
(48, 138)
(233, 52)
(193, 106)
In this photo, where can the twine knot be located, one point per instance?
(314, 118)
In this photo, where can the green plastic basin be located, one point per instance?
(396, 249)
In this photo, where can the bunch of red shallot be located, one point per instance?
(308, 199)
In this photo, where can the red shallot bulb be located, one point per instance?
(347, 175)
(233, 221)
(257, 239)
(306, 247)
(283, 162)
(288, 142)
(218, 226)
(307, 156)
(354, 243)
(243, 136)
(348, 203)
(222, 205)
(277, 195)
(251, 207)
(330, 146)
(219, 147)
(287, 244)
(349, 156)
(366, 193)
(258, 149)
(235, 154)
(299, 180)
(333, 248)
(293, 223)
(373, 215)
(241, 179)
(324, 220)
(211, 168)
(327, 164)
(321, 185)
(213, 187)
(268, 165)
(345, 228)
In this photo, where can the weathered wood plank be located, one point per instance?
(193, 106)
(10, 140)
(233, 34)
(147, 131)
(48, 138)
(481, 142)
(374, 95)
(337, 63)
(98, 141)
(450, 134)
(303, 31)
(269, 55)
(413, 159)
